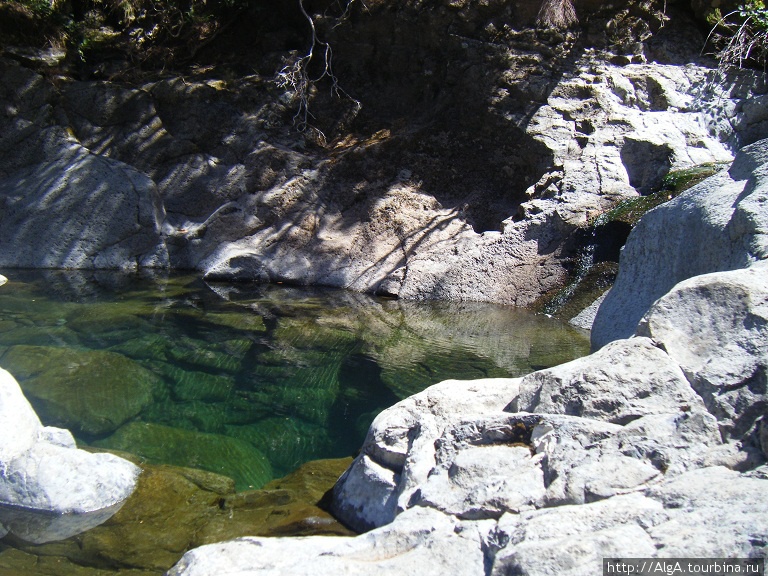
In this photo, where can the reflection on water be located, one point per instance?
(248, 381)
(37, 527)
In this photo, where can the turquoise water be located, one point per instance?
(249, 381)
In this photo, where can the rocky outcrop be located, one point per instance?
(720, 224)
(653, 446)
(212, 175)
(43, 471)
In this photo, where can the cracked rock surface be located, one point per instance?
(654, 446)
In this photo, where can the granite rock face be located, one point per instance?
(653, 446)
(42, 470)
(477, 192)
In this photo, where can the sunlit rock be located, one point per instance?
(43, 471)
(720, 224)
(715, 326)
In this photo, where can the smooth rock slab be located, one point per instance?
(715, 326)
(366, 496)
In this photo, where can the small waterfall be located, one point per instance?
(596, 247)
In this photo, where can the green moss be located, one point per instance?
(675, 182)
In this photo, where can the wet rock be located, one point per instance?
(287, 442)
(174, 509)
(94, 392)
(213, 452)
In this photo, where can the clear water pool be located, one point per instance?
(249, 381)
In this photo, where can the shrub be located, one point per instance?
(745, 35)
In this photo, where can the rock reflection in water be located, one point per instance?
(41, 527)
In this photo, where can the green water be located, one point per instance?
(248, 381)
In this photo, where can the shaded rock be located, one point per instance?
(717, 225)
(95, 391)
(38, 527)
(626, 380)
(213, 452)
(99, 213)
(715, 326)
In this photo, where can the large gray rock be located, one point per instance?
(626, 380)
(720, 224)
(367, 494)
(423, 542)
(42, 470)
(80, 210)
(715, 327)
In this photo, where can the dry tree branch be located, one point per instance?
(296, 77)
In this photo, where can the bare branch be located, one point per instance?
(296, 77)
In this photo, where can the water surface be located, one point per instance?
(249, 381)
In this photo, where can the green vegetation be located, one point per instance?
(741, 36)
(675, 182)
(160, 32)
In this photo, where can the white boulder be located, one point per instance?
(720, 224)
(42, 470)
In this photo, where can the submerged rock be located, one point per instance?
(213, 452)
(93, 392)
(174, 509)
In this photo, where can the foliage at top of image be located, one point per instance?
(145, 30)
(741, 36)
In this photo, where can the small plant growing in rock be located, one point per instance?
(746, 36)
